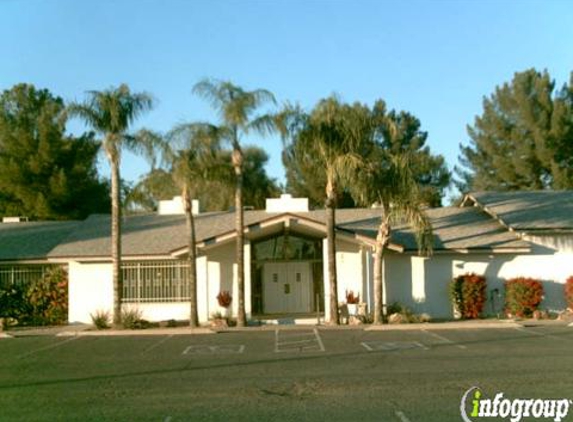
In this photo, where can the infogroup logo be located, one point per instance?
(513, 409)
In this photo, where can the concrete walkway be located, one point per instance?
(450, 325)
(178, 331)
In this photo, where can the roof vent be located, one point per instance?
(14, 219)
(175, 206)
(286, 203)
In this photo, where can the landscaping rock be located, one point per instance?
(396, 319)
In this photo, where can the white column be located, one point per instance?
(325, 279)
(202, 289)
(247, 275)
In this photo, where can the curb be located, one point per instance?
(444, 326)
(148, 332)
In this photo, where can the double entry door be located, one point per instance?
(287, 287)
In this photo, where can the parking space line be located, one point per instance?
(367, 346)
(535, 333)
(298, 342)
(319, 340)
(159, 343)
(444, 339)
(48, 347)
(402, 416)
(276, 341)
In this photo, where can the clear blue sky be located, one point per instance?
(435, 59)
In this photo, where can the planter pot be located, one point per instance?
(352, 309)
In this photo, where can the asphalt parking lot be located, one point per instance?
(306, 374)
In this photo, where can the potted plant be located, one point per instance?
(225, 299)
(352, 302)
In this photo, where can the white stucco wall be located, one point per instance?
(350, 272)
(90, 290)
(422, 283)
(222, 275)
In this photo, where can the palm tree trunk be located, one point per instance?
(331, 252)
(192, 258)
(116, 240)
(382, 239)
(239, 217)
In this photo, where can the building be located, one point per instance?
(500, 235)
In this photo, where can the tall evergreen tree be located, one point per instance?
(523, 139)
(44, 173)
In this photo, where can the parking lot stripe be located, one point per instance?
(276, 341)
(48, 347)
(366, 346)
(402, 416)
(445, 340)
(319, 340)
(159, 343)
(536, 333)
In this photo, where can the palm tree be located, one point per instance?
(331, 138)
(236, 108)
(110, 113)
(387, 180)
(195, 163)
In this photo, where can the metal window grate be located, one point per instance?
(22, 274)
(155, 281)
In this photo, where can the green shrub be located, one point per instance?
(13, 303)
(522, 296)
(131, 319)
(48, 298)
(468, 294)
(101, 319)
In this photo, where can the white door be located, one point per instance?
(287, 288)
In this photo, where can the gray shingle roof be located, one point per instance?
(529, 211)
(454, 228)
(30, 241)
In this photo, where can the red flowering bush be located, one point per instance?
(468, 294)
(569, 292)
(48, 298)
(522, 296)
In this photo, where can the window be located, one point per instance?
(155, 281)
(287, 247)
(22, 274)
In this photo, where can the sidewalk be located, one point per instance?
(178, 331)
(450, 325)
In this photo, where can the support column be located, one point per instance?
(248, 286)
(325, 279)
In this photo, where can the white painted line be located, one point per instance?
(367, 347)
(445, 340)
(277, 341)
(296, 342)
(319, 340)
(205, 349)
(48, 347)
(535, 333)
(402, 416)
(167, 419)
(159, 343)
(421, 345)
